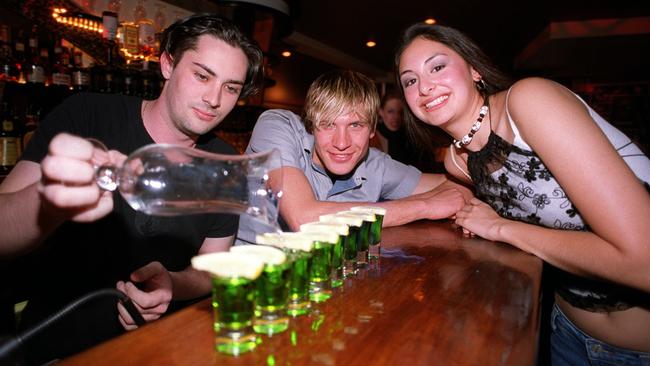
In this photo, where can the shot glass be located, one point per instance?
(299, 256)
(374, 250)
(336, 277)
(320, 288)
(233, 298)
(350, 244)
(363, 241)
(272, 288)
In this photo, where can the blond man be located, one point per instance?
(327, 165)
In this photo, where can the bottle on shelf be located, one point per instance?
(34, 70)
(45, 60)
(80, 75)
(104, 77)
(147, 82)
(131, 80)
(130, 41)
(19, 55)
(10, 144)
(8, 71)
(61, 73)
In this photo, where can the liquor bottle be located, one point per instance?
(34, 71)
(105, 76)
(109, 25)
(130, 85)
(147, 82)
(146, 37)
(8, 71)
(10, 144)
(61, 75)
(44, 59)
(131, 38)
(80, 75)
(19, 55)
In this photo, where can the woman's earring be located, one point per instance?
(480, 85)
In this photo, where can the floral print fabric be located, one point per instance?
(517, 185)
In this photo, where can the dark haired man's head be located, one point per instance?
(183, 35)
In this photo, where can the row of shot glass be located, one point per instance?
(256, 288)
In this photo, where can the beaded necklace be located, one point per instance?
(467, 139)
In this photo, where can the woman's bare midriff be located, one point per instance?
(629, 329)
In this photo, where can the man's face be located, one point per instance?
(341, 144)
(204, 86)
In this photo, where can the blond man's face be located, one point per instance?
(341, 144)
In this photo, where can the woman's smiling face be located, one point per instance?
(437, 82)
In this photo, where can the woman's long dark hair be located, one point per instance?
(495, 80)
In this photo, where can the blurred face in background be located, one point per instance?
(391, 114)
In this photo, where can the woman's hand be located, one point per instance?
(480, 219)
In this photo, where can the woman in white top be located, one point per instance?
(553, 179)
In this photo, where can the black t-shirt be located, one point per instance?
(78, 258)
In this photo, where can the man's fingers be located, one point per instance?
(102, 208)
(66, 196)
(67, 169)
(147, 301)
(71, 146)
(124, 316)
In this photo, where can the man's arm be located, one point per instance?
(440, 198)
(157, 287)
(429, 182)
(21, 225)
(432, 184)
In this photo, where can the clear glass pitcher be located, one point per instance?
(168, 180)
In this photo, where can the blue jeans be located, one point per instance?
(572, 347)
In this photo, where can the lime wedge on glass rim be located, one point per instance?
(350, 220)
(288, 240)
(365, 216)
(267, 254)
(319, 226)
(298, 241)
(228, 264)
(273, 239)
(322, 236)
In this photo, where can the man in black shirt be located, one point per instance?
(77, 238)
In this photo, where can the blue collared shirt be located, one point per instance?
(377, 177)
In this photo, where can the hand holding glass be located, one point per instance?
(168, 180)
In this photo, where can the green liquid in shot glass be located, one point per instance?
(271, 299)
(301, 263)
(233, 303)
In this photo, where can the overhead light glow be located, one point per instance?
(371, 43)
(430, 21)
(286, 53)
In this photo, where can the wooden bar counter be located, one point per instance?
(434, 298)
